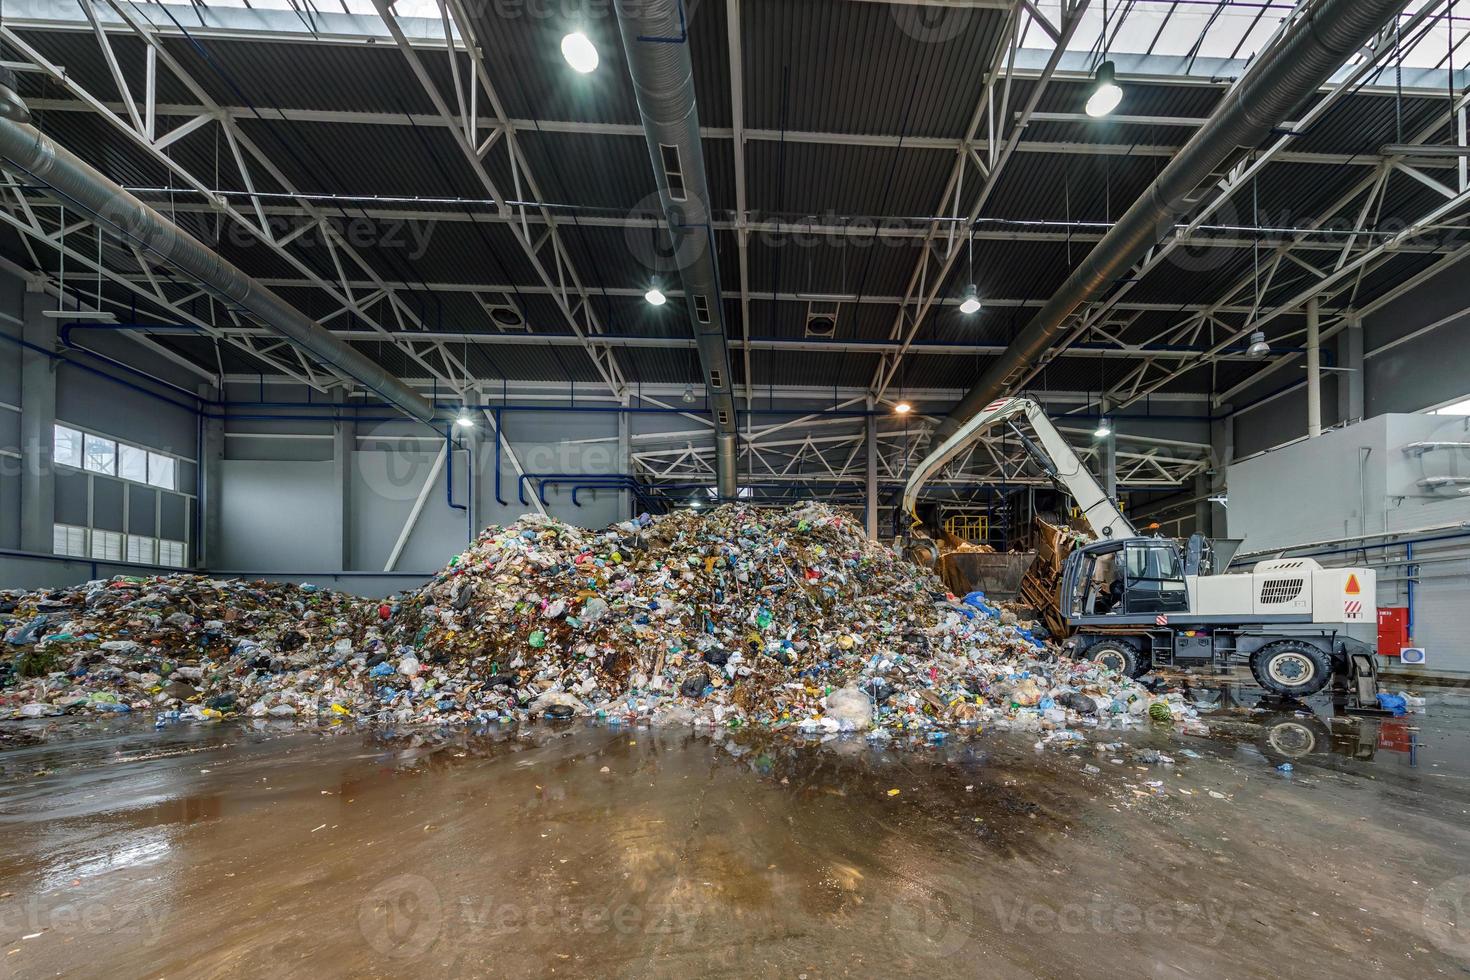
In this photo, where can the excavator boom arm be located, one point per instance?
(1101, 512)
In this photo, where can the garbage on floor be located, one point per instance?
(780, 618)
(180, 643)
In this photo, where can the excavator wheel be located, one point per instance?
(1120, 654)
(1292, 668)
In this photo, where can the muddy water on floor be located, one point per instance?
(616, 852)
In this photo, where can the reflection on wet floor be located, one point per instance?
(595, 851)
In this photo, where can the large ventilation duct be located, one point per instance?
(656, 43)
(1297, 65)
(77, 185)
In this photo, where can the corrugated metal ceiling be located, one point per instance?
(866, 72)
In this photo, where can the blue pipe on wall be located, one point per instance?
(449, 452)
(577, 488)
(499, 436)
(641, 496)
(561, 477)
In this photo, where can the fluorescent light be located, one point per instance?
(580, 52)
(1104, 428)
(1105, 93)
(81, 316)
(903, 408)
(464, 421)
(971, 303)
(655, 296)
(1258, 347)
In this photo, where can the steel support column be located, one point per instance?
(1350, 373)
(1314, 369)
(37, 422)
(1107, 461)
(871, 451)
(624, 465)
(344, 444)
(208, 550)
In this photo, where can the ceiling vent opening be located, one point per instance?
(504, 315)
(821, 319)
(701, 308)
(716, 378)
(724, 417)
(673, 171)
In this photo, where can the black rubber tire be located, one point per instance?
(1291, 668)
(1122, 655)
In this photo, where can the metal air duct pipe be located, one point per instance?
(76, 184)
(656, 45)
(1285, 74)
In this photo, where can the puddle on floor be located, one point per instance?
(595, 851)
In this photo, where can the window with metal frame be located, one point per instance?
(100, 455)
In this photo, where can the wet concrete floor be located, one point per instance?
(591, 851)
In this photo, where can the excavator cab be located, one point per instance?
(1134, 577)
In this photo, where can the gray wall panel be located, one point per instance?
(175, 517)
(71, 497)
(271, 515)
(142, 510)
(107, 503)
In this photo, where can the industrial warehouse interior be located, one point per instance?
(734, 487)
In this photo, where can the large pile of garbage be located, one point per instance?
(175, 643)
(771, 617)
(781, 618)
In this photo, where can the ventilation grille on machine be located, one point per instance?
(1279, 591)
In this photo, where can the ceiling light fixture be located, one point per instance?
(1105, 92)
(1258, 347)
(971, 303)
(902, 408)
(580, 52)
(464, 421)
(689, 394)
(1104, 428)
(655, 296)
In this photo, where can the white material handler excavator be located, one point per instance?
(1135, 602)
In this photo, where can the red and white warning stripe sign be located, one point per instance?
(1352, 609)
(1161, 620)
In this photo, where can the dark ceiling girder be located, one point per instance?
(1284, 75)
(76, 184)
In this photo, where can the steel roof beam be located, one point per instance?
(328, 28)
(1319, 40)
(149, 147)
(1370, 256)
(763, 296)
(1246, 172)
(571, 295)
(749, 134)
(538, 339)
(861, 227)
